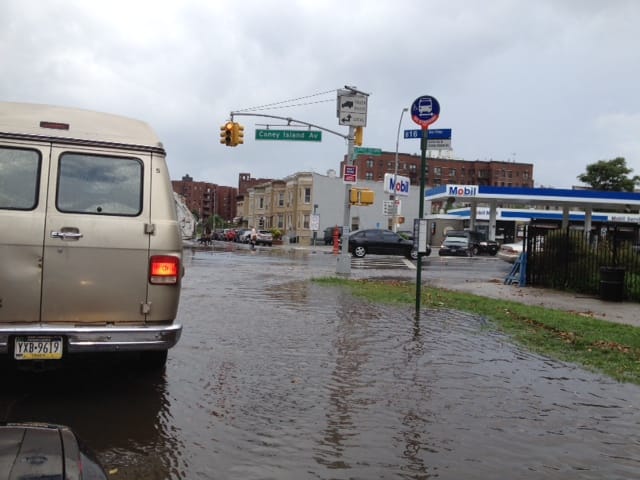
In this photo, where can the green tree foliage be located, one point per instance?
(611, 175)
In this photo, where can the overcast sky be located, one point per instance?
(549, 82)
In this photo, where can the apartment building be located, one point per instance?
(205, 199)
(442, 171)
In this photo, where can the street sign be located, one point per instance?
(434, 134)
(314, 222)
(297, 135)
(352, 109)
(350, 174)
(391, 208)
(375, 152)
(425, 110)
(437, 140)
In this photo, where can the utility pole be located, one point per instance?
(344, 259)
(351, 111)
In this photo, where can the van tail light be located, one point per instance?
(164, 270)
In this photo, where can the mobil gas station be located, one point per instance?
(502, 212)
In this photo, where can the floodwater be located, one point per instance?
(276, 377)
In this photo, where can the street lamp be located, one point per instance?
(392, 196)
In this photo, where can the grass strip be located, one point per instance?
(598, 345)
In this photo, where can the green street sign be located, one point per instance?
(296, 135)
(367, 151)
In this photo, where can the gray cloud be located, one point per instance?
(551, 83)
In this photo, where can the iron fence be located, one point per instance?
(604, 262)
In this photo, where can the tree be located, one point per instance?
(611, 175)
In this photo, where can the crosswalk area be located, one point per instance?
(382, 262)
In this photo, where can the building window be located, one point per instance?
(370, 163)
(281, 199)
(305, 222)
(437, 171)
(261, 203)
(525, 175)
(281, 221)
(307, 195)
(369, 176)
(452, 172)
(412, 167)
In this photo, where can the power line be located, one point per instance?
(273, 106)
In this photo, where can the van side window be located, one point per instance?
(19, 178)
(99, 185)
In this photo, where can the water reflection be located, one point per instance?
(279, 378)
(121, 412)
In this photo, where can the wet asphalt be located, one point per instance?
(277, 377)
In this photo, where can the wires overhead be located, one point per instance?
(290, 103)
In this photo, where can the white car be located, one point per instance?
(510, 252)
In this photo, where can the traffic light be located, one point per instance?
(366, 197)
(361, 196)
(353, 196)
(357, 140)
(226, 134)
(238, 134)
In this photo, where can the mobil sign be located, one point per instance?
(462, 190)
(396, 184)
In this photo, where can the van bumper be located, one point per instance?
(97, 339)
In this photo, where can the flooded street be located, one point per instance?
(276, 377)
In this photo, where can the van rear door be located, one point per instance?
(96, 249)
(23, 166)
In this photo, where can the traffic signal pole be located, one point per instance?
(344, 260)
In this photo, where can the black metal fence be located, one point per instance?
(605, 263)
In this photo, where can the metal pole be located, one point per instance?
(423, 168)
(344, 261)
(395, 175)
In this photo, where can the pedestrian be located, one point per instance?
(254, 237)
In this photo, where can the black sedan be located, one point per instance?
(381, 242)
(456, 246)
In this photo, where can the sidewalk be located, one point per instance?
(619, 312)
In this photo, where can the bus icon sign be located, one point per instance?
(425, 110)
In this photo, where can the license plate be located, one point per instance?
(37, 348)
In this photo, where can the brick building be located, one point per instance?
(442, 171)
(205, 199)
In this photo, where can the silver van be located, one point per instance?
(90, 245)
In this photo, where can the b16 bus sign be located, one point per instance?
(425, 110)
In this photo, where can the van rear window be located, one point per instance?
(100, 185)
(19, 178)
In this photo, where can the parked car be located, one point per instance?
(408, 234)
(328, 234)
(264, 237)
(42, 450)
(240, 235)
(91, 249)
(381, 242)
(510, 252)
(456, 246)
(478, 242)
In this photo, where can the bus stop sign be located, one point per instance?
(425, 110)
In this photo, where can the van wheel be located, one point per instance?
(474, 250)
(153, 359)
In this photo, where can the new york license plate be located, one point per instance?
(37, 348)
